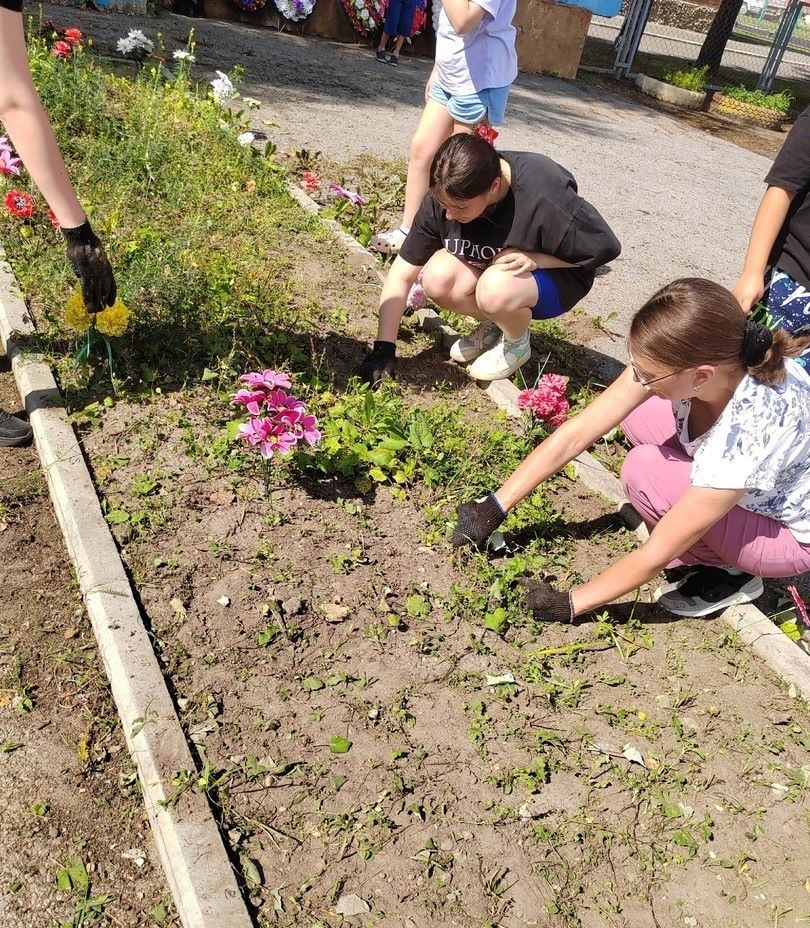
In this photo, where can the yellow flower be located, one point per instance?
(113, 320)
(76, 316)
(110, 321)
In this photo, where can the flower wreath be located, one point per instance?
(364, 15)
(419, 18)
(296, 10)
(250, 6)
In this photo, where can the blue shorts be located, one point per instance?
(399, 17)
(548, 303)
(471, 108)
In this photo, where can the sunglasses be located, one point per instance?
(646, 382)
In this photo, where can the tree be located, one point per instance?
(711, 52)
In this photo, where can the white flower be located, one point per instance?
(222, 87)
(182, 55)
(246, 138)
(135, 42)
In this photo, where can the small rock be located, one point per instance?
(352, 905)
(292, 606)
(224, 601)
(335, 612)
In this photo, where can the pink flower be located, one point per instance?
(487, 133)
(417, 297)
(62, 50)
(74, 36)
(268, 436)
(356, 198)
(266, 380)
(8, 160)
(308, 431)
(310, 181)
(801, 609)
(250, 399)
(546, 401)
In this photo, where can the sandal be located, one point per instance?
(388, 243)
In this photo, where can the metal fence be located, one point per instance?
(765, 48)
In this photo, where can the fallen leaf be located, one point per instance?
(352, 905)
(339, 745)
(633, 754)
(178, 609)
(501, 678)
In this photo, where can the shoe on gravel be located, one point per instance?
(393, 60)
(709, 589)
(502, 360)
(388, 243)
(381, 57)
(13, 431)
(472, 346)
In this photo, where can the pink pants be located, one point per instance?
(655, 476)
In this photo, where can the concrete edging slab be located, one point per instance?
(784, 657)
(199, 874)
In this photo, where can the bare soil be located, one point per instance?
(67, 786)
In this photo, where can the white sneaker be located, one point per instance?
(472, 346)
(388, 243)
(501, 361)
(709, 589)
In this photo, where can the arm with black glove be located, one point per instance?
(477, 520)
(547, 604)
(382, 359)
(92, 266)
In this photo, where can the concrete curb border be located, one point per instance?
(199, 874)
(784, 657)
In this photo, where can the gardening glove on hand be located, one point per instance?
(550, 606)
(381, 360)
(89, 260)
(477, 521)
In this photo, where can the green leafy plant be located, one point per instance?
(691, 79)
(778, 102)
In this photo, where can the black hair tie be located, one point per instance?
(757, 340)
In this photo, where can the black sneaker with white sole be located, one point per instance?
(705, 590)
(13, 431)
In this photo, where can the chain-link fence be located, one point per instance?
(743, 53)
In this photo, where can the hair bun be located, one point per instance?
(757, 339)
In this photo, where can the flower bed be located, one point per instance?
(747, 112)
(385, 730)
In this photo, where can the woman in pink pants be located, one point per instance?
(718, 412)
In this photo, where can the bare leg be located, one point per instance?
(383, 42)
(451, 283)
(435, 126)
(507, 299)
(398, 45)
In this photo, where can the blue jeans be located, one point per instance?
(399, 17)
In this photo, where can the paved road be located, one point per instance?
(680, 200)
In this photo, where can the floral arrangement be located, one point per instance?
(295, 10)
(487, 133)
(135, 45)
(278, 420)
(250, 6)
(419, 18)
(546, 401)
(364, 15)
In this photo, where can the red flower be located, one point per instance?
(20, 204)
(487, 133)
(62, 50)
(74, 37)
(53, 220)
(310, 181)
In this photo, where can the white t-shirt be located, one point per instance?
(482, 58)
(760, 443)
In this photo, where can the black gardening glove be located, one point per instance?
(477, 521)
(89, 260)
(547, 603)
(379, 362)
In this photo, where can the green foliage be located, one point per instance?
(691, 79)
(778, 102)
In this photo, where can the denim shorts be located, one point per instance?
(471, 108)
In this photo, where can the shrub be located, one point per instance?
(778, 102)
(693, 79)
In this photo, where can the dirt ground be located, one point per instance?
(67, 786)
